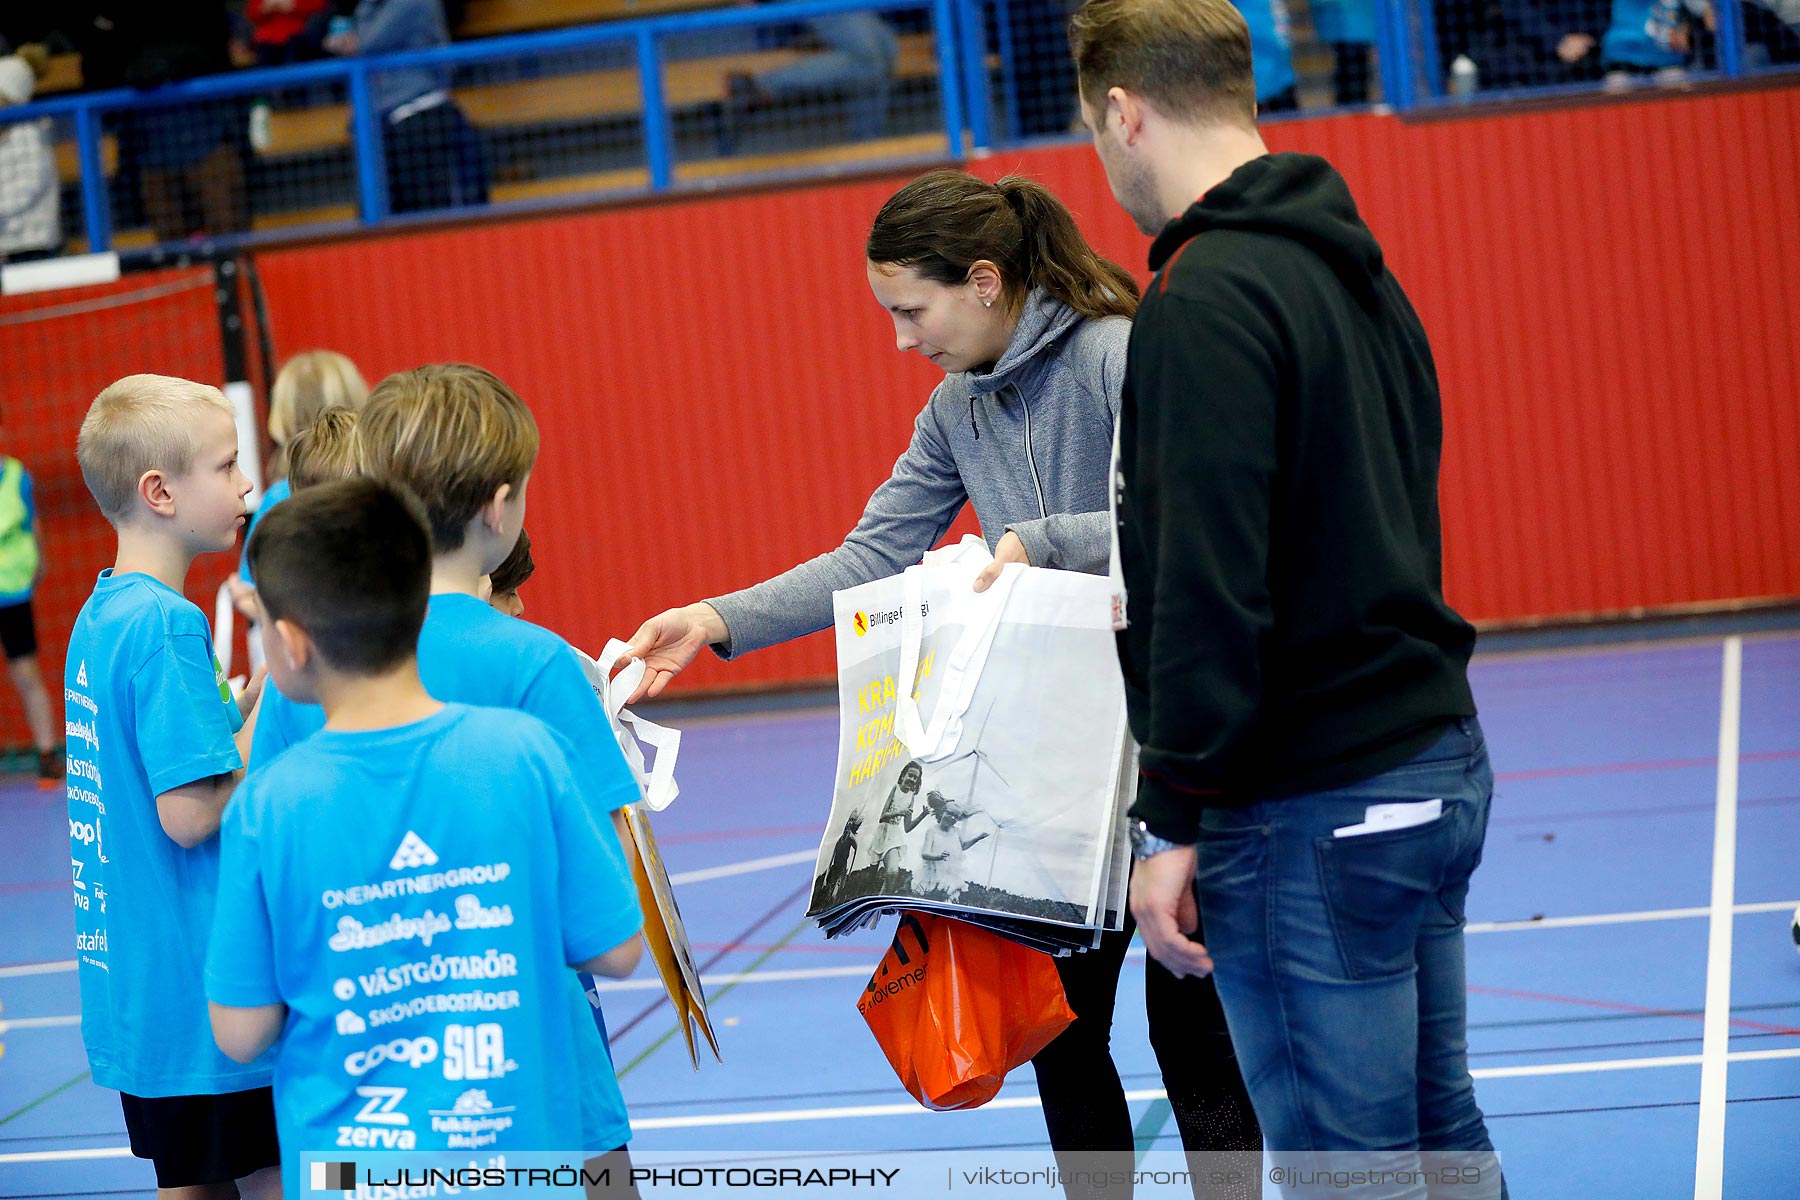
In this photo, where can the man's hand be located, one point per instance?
(1010, 550)
(1162, 900)
(669, 641)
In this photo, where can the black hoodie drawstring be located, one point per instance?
(972, 424)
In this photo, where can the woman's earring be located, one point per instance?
(988, 303)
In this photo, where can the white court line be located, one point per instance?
(1715, 1038)
(38, 1023)
(43, 968)
(1625, 918)
(864, 1111)
(861, 1111)
(745, 868)
(844, 972)
(31, 1156)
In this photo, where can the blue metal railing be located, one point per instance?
(1411, 78)
(646, 37)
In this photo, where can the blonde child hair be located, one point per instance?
(452, 434)
(140, 423)
(327, 449)
(311, 383)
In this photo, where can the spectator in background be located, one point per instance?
(857, 60)
(1651, 37)
(434, 156)
(30, 193)
(287, 31)
(190, 156)
(1271, 51)
(1771, 32)
(1538, 43)
(1043, 74)
(1349, 27)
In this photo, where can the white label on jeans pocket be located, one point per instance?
(1380, 818)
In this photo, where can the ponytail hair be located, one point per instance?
(944, 222)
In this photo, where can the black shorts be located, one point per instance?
(196, 1140)
(18, 633)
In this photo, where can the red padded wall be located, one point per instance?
(1609, 290)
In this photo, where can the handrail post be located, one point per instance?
(1394, 44)
(96, 204)
(946, 41)
(1730, 38)
(971, 36)
(658, 153)
(371, 161)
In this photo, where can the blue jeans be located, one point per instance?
(1340, 964)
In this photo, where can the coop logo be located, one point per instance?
(863, 622)
(411, 1052)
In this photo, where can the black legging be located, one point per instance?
(1084, 1101)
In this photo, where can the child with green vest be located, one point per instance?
(21, 566)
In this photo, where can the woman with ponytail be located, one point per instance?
(994, 284)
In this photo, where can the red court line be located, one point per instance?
(1617, 1006)
(1622, 768)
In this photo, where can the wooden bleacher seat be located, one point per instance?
(64, 75)
(484, 18)
(589, 95)
(848, 155)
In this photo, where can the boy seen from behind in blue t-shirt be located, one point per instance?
(464, 443)
(156, 745)
(402, 893)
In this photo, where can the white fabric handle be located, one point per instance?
(971, 551)
(657, 785)
(979, 613)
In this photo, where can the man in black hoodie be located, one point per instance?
(1312, 767)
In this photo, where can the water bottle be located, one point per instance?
(1465, 77)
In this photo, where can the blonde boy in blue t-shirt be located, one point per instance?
(156, 745)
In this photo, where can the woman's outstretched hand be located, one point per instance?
(668, 642)
(1010, 550)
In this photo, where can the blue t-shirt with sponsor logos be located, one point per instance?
(147, 710)
(470, 653)
(413, 895)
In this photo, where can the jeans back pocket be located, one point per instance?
(1376, 888)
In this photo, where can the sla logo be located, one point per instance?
(349, 1024)
(414, 1052)
(475, 1052)
(412, 854)
(333, 1177)
(81, 674)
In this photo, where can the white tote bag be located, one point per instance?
(981, 741)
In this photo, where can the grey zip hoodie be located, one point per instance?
(1029, 444)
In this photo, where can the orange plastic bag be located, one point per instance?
(956, 1007)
